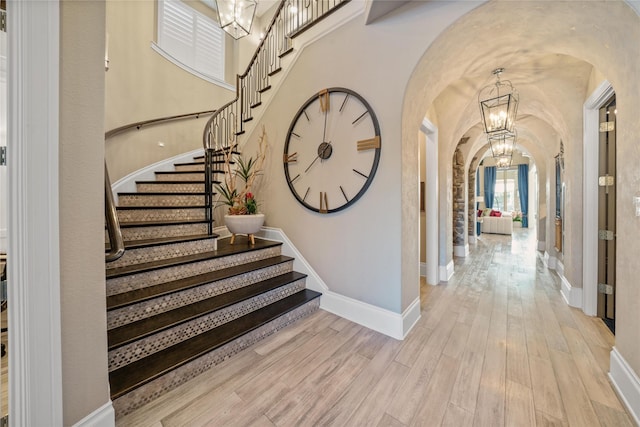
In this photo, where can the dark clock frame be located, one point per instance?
(376, 159)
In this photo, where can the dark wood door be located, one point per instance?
(607, 214)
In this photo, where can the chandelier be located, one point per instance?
(503, 144)
(503, 162)
(498, 105)
(236, 16)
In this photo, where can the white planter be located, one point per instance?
(244, 224)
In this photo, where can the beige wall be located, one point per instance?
(142, 85)
(85, 383)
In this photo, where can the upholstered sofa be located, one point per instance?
(497, 224)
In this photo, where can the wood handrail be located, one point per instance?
(159, 120)
(116, 242)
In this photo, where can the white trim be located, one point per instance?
(550, 261)
(105, 416)
(166, 55)
(127, 184)
(590, 196)
(379, 319)
(635, 5)
(571, 295)
(626, 383)
(431, 196)
(472, 240)
(542, 245)
(446, 271)
(461, 251)
(35, 365)
(560, 268)
(423, 269)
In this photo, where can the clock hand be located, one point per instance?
(314, 160)
(324, 131)
(321, 154)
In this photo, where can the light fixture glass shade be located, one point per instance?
(503, 162)
(236, 16)
(498, 106)
(502, 144)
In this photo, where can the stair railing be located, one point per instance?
(116, 242)
(221, 131)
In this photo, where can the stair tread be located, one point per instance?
(159, 207)
(163, 193)
(146, 243)
(138, 373)
(149, 292)
(130, 224)
(171, 182)
(222, 251)
(142, 328)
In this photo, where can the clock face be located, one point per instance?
(332, 150)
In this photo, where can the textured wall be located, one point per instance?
(85, 383)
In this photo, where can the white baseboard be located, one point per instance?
(550, 261)
(395, 325)
(127, 184)
(473, 240)
(104, 416)
(626, 383)
(571, 294)
(542, 245)
(461, 251)
(446, 272)
(423, 269)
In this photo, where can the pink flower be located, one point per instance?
(249, 196)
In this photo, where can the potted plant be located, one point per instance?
(235, 191)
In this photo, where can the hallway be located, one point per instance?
(497, 345)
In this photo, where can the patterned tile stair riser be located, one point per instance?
(152, 390)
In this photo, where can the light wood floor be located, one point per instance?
(495, 346)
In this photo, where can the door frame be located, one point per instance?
(35, 363)
(590, 196)
(430, 133)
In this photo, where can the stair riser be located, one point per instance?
(195, 176)
(144, 347)
(146, 309)
(144, 233)
(177, 214)
(162, 187)
(182, 168)
(175, 378)
(161, 252)
(117, 285)
(160, 200)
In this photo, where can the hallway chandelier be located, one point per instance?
(503, 144)
(236, 16)
(498, 105)
(503, 162)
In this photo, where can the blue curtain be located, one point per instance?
(523, 188)
(489, 185)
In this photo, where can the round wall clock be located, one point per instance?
(332, 150)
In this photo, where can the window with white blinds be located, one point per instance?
(191, 38)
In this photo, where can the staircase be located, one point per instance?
(180, 301)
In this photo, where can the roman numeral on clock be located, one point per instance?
(324, 202)
(291, 158)
(368, 144)
(323, 96)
